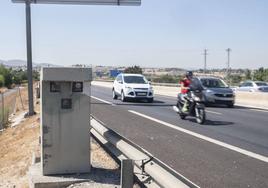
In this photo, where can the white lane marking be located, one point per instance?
(258, 110)
(228, 146)
(218, 113)
(104, 101)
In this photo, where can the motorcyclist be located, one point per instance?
(185, 84)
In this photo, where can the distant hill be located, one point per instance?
(22, 63)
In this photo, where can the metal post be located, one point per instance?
(127, 170)
(205, 61)
(3, 111)
(228, 65)
(29, 56)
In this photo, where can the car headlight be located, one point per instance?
(209, 91)
(128, 88)
(197, 98)
(151, 88)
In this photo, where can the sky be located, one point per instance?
(170, 33)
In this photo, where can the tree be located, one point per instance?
(167, 79)
(234, 79)
(261, 74)
(2, 81)
(247, 74)
(6, 73)
(133, 70)
(18, 76)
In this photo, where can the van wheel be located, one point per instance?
(230, 105)
(123, 98)
(150, 100)
(114, 95)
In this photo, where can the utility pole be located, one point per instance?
(205, 60)
(228, 64)
(228, 60)
(29, 56)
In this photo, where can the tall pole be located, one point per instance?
(228, 60)
(205, 60)
(29, 56)
(228, 65)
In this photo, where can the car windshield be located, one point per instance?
(135, 80)
(261, 84)
(213, 83)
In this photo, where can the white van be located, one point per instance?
(132, 86)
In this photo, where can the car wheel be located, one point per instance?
(150, 100)
(230, 105)
(123, 98)
(114, 95)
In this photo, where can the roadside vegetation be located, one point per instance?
(158, 79)
(10, 77)
(134, 70)
(260, 74)
(235, 77)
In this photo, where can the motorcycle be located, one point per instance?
(196, 106)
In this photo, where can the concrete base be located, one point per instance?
(97, 178)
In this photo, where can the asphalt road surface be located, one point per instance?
(229, 150)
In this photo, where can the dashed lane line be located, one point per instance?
(258, 110)
(218, 113)
(104, 101)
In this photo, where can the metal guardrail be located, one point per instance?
(153, 83)
(162, 175)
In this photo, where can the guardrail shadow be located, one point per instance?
(99, 103)
(97, 175)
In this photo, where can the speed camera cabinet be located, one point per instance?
(65, 120)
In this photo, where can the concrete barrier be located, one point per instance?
(247, 99)
(252, 99)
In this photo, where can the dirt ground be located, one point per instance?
(16, 146)
(18, 143)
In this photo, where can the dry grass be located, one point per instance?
(18, 143)
(16, 147)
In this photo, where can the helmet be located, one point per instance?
(189, 74)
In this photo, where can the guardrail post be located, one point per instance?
(127, 176)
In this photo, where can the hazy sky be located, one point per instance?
(170, 33)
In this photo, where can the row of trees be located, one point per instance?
(162, 79)
(260, 74)
(8, 76)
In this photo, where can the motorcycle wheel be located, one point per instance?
(182, 116)
(202, 116)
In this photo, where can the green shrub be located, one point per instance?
(2, 80)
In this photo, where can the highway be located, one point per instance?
(230, 150)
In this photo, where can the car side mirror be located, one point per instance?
(120, 82)
(150, 82)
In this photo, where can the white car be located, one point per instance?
(253, 86)
(132, 86)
